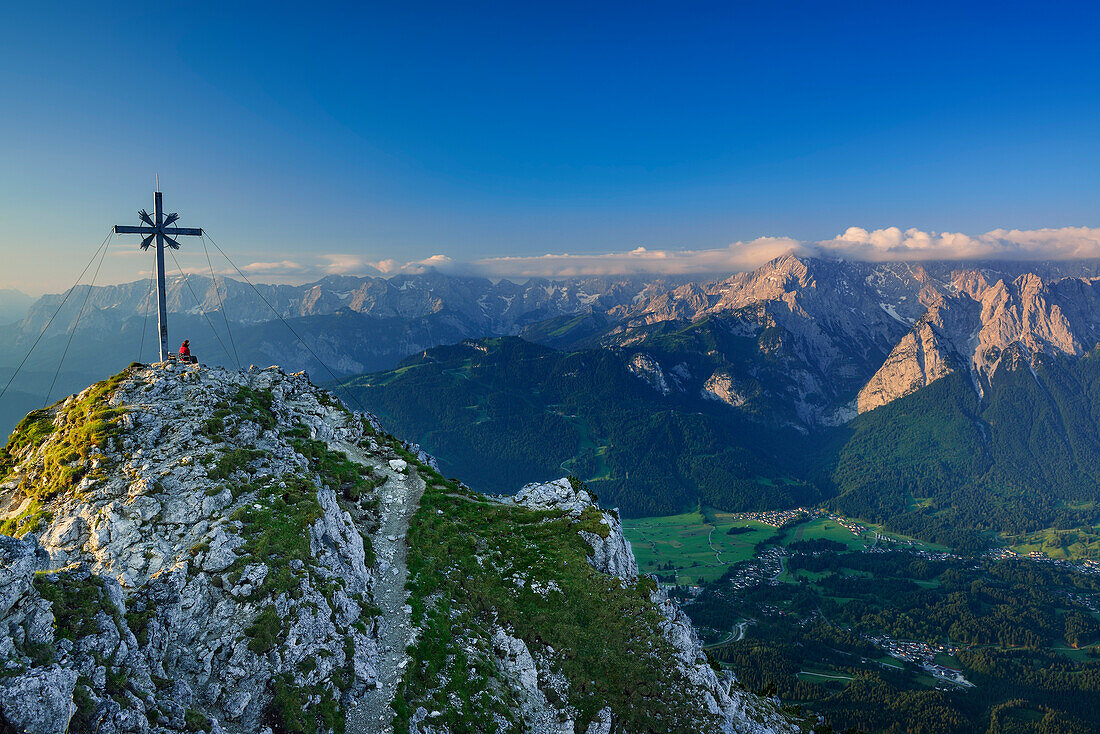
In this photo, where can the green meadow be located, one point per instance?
(822, 528)
(695, 546)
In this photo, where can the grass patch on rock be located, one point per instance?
(350, 479)
(71, 435)
(233, 461)
(275, 528)
(76, 597)
(476, 564)
(291, 712)
(256, 405)
(28, 521)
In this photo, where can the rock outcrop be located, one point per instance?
(225, 540)
(722, 386)
(970, 323)
(647, 369)
(211, 550)
(920, 358)
(732, 709)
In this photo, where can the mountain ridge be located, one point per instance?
(205, 549)
(839, 328)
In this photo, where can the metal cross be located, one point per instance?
(157, 228)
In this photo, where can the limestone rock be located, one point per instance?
(215, 559)
(167, 529)
(649, 370)
(39, 701)
(556, 495)
(722, 386)
(920, 358)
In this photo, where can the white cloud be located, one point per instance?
(388, 266)
(641, 260)
(1066, 243)
(283, 267)
(345, 263)
(444, 263)
(856, 243)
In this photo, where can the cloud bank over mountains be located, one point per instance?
(889, 244)
(1066, 243)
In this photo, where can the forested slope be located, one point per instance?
(1024, 457)
(498, 410)
(943, 463)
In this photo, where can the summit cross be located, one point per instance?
(157, 227)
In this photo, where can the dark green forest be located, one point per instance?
(1016, 630)
(503, 412)
(942, 464)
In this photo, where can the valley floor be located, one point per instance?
(881, 632)
(699, 547)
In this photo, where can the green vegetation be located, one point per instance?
(247, 404)
(30, 432)
(82, 720)
(1068, 545)
(276, 533)
(232, 461)
(76, 600)
(1022, 633)
(138, 619)
(474, 565)
(28, 521)
(291, 713)
(265, 631)
(255, 405)
(693, 547)
(701, 546)
(823, 528)
(941, 465)
(515, 411)
(196, 721)
(350, 479)
(72, 435)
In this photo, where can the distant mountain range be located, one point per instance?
(13, 305)
(354, 324)
(805, 380)
(750, 391)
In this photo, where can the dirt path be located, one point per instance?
(710, 542)
(400, 497)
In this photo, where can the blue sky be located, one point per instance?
(324, 137)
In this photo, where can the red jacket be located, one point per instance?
(185, 351)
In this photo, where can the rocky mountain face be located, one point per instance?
(824, 326)
(811, 342)
(972, 322)
(202, 549)
(852, 336)
(353, 324)
(490, 307)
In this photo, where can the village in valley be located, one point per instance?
(729, 555)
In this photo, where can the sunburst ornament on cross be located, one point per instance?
(158, 229)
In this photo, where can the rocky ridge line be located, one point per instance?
(205, 549)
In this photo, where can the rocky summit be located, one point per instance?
(197, 549)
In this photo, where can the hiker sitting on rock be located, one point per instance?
(185, 352)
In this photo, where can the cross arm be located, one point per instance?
(169, 231)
